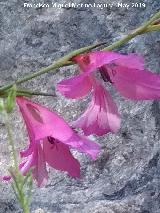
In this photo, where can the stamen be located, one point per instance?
(54, 142)
(51, 140)
(104, 74)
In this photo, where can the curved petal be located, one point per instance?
(136, 84)
(35, 161)
(131, 61)
(45, 123)
(89, 147)
(91, 61)
(58, 156)
(42, 122)
(75, 87)
(101, 115)
(26, 165)
(85, 145)
(39, 172)
(79, 86)
(27, 152)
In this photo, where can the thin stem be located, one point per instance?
(33, 75)
(59, 63)
(17, 178)
(65, 61)
(152, 28)
(10, 139)
(20, 194)
(22, 92)
(141, 30)
(155, 17)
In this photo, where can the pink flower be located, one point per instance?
(50, 142)
(5, 178)
(125, 72)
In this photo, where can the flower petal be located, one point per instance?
(39, 172)
(136, 84)
(92, 61)
(101, 115)
(58, 156)
(42, 123)
(26, 164)
(27, 152)
(85, 145)
(75, 87)
(36, 162)
(79, 86)
(131, 61)
(89, 147)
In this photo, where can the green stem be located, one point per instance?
(10, 138)
(59, 63)
(152, 19)
(23, 92)
(20, 194)
(152, 28)
(27, 93)
(17, 178)
(65, 61)
(141, 30)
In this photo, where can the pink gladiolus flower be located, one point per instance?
(50, 142)
(125, 72)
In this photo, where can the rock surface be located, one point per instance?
(126, 176)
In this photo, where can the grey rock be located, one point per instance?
(126, 176)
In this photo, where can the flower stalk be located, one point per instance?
(19, 182)
(145, 28)
(65, 61)
(10, 139)
(29, 93)
(24, 92)
(23, 185)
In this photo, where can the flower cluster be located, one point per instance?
(125, 72)
(51, 138)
